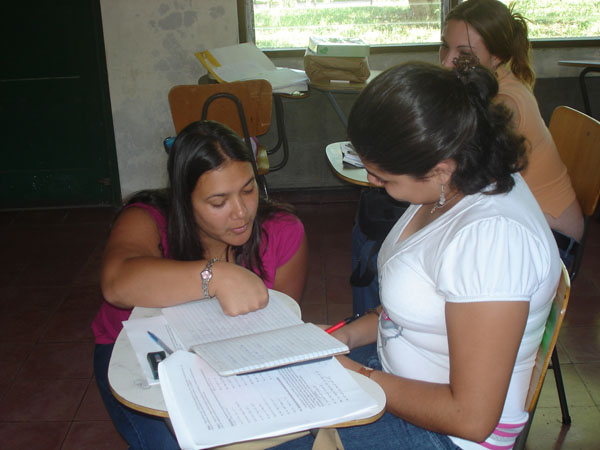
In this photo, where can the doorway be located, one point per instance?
(58, 145)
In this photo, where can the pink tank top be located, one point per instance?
(282, 236)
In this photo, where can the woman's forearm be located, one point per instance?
(151, 282)
(432, 406)
(437, 407)
(158, 282)
(362, 331)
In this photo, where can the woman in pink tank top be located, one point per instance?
(209, 234)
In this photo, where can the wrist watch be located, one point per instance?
(206, 276)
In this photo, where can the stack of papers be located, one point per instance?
(207, 410)
(349, 155)
(246, 62)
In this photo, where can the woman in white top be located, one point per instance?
(468, 273)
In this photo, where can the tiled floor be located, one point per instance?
(49, 295)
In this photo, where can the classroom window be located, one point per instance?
(289, 23)
(560, 18)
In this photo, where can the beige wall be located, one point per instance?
(150, 47)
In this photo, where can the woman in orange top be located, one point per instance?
(497, 36)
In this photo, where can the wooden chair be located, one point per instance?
(546, 350)
(577, 137)
(244, 106)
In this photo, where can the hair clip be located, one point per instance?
(463, 64)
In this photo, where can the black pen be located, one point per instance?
(156, 339)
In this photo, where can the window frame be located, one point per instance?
(246, 34)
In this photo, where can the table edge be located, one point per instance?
(340, 174)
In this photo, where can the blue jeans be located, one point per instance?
(367, 297)
(141, 431)
(388, 433)
(567, 247)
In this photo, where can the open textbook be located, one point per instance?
(208, 410)
(271, 337)
(247, 62)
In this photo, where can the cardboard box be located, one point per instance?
(324, 69)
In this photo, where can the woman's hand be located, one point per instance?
(359, 332)
(135, 273)
(239, 290)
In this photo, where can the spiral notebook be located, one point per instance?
(263, 339)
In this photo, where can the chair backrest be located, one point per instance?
(577, 137)
(553, 324)
(187, 101)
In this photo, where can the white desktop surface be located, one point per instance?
(129, 385)
(354, 175)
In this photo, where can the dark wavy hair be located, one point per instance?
(503, 31)
(199, 147)
(413, 116)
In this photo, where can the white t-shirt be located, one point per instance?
(485, 248)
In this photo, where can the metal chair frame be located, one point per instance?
(240, 108)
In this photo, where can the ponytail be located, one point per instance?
(415, 115)
(520, 63)
(493, 152)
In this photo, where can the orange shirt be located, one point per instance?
(546, 175)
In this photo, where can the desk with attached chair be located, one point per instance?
(351, 174)
(129, 385)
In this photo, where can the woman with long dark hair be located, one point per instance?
(210, 234)
(468, 273)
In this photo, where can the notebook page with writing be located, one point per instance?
(270, 349)
(267, 338)
(204, 321)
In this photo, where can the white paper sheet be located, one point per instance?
(247, 62)
(267, 338)
(269, 349)
(208, 410)
(203, 321)
(137, 332)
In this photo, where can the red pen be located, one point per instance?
(340, 324)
